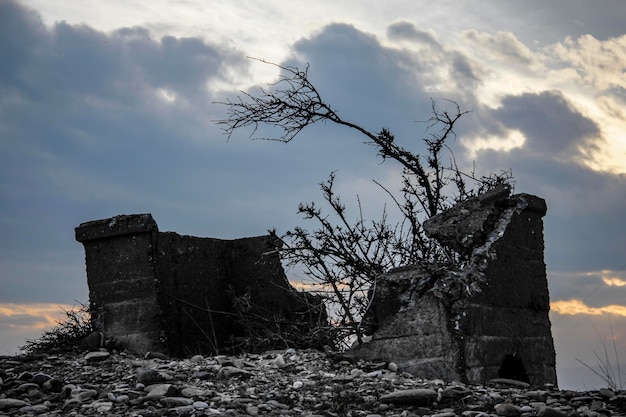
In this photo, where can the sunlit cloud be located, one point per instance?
(576, 307)
(166, 95)
(614, 281)
(514, 139)
(307, 287)
(39, 316)
(588, 73)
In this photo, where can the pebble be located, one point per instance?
(149, 376)
(97, 356)
(507, 410)
(293, 383)
(279, 361)
(410, 396)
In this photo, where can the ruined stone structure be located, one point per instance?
(488, 320)
(152, 290)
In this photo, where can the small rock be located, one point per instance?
(392, 367)
(101, 406)
(35, 409)
(550, 412)
(410, 396)
(163, 390)
(455, 392)
(175, 401)
(191, 392)
(607, 393)
(27, 386)
(6, 403)
(149, 376)
(232, 371)
(343, 378)
(510, 383)
(582, 399)
(155, 355)
(97, 356)
(40, 378)
(445, 414)
(84, 395)
(196, 359)
(94, 341)
(53, 385)
(507, 410)
(279, 361)
(200, 405)
(25, 376)
(202, 375)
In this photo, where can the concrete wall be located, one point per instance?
(485, 321)
(154, 290)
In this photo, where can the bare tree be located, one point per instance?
(343, 256)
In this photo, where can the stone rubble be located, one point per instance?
(304, 383)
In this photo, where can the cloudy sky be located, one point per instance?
(108, 107)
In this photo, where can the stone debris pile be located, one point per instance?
(286, 383)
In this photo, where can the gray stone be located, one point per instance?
(507, 410)
(200, 405)
(550, 412)
(85, 394)
(7, 403)
(53, 385)
(509, 382)
(231, 372)
(607, 393)
(455, 392)
(149, 376)
(93, 341)
(252, 410)
(176, 401)
(410, 396)
(40, 378)
(101, 406)
(97, 356)
(25, 376)
(27, 386)
(191, 392)
(162, 390)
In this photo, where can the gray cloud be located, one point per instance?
(550, 123)
(408, 31)
(503, 45)
(85, 136)
(584, 206)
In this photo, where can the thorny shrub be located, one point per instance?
(343, 257)
(65, 336)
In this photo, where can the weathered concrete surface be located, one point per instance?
(487, 320)
(154, 290)
(123, 288)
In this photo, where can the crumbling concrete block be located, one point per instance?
(488, 319)
(161, 291)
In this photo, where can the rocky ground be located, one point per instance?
(287, 383)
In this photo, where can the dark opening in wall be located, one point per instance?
(512, 367)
